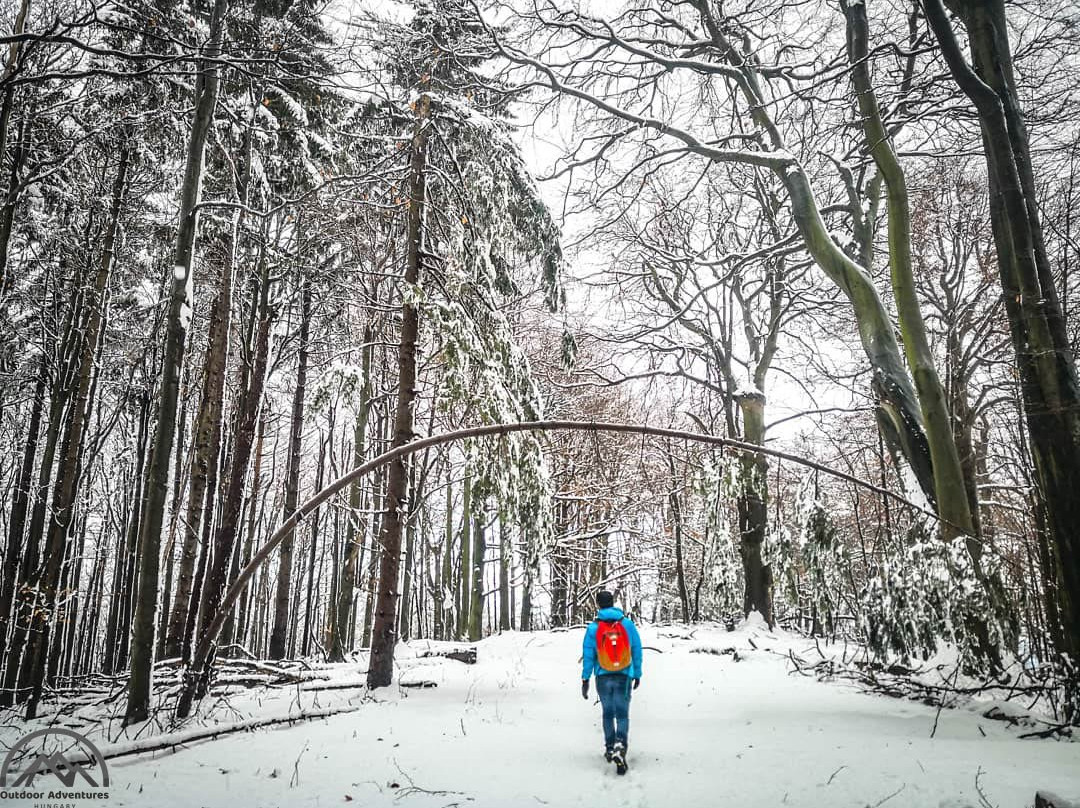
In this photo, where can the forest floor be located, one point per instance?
(721, 718)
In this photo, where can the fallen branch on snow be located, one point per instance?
(175, 739)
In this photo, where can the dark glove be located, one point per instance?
(585, 689)
(636, 683)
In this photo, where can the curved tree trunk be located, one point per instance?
(950, 489)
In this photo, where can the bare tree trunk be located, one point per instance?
(292, 478)
(180, 308)
(1049, 384)
(505, 610)
(949, 484)
(415, 497)
(353, 559)
(67, 477)
(675, 505)
(309, 608)
(753, 510)
(207, 452)
(248, 412)
(373, 560)
(231, 633)
(525, 623)
(120, 604)
(475, 575)
(464, 578)
(444, 617)
(384, 633)
(19, 506)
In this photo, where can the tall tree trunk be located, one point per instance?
(180, 310)
(353, 561)
(67, 475)
(444, 595)
(248, 407)
(232, 632)
(415, 497)
(206, 454)
(14, 184)
(1044, 357)
(476, 573)
(241, 618)
(16, 675)
(950, 490)
(292, 478)
(464, 578)
(19, 506)
(505, 609)
(378, 498)
(384, 633)
(120, 604)
(752, 507)
(309, 607)
(525, 623)
(675, 504)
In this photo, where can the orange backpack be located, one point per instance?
(612, 645)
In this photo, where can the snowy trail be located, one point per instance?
(706, 730)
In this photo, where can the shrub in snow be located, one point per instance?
(926, 595)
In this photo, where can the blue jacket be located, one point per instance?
(588, 648)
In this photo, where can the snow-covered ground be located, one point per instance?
(513, 730)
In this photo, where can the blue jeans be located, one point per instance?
(614, 692)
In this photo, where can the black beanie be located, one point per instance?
(604, 599)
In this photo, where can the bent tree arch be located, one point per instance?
(196, 676)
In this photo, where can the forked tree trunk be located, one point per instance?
(950, 490)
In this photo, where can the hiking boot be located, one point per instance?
(618, 757)
(607, 755)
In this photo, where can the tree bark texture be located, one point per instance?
(180, 306)
(384, 630)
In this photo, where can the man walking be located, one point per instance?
(612, 651)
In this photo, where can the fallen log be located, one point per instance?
(175, 739)
(466, 655)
